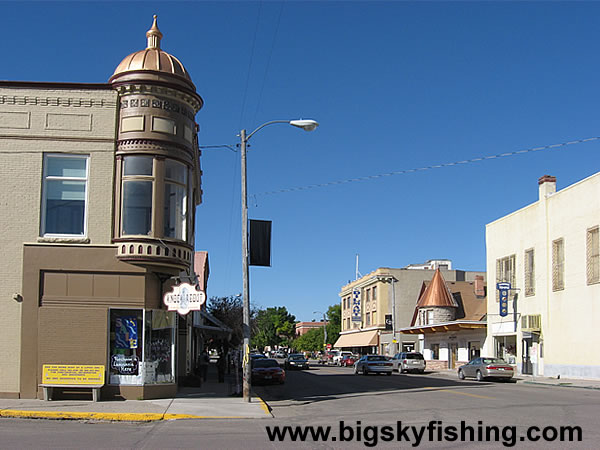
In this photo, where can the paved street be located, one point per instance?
(327, 395)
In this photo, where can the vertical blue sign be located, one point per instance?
(356, 316)
(503, 288)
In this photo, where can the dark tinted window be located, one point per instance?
(414, 356)
(296, 357)
(377, 358)
(260, 363)
(492, 361)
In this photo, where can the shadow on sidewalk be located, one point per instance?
(212, 387)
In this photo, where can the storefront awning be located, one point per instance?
(360, 339)
(443, 327)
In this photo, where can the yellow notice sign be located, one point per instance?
(83, 375)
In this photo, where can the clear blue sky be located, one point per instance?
(395, 86)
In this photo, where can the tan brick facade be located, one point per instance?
(38, 119)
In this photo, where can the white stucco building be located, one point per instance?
(550, 253)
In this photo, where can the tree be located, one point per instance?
(230, 311)
(334, 325)
(311, 341)
(273, 326)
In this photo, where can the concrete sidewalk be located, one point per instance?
(212, 400)
(530, 379)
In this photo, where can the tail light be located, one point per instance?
(388, 364)
(498, 367)
(405, 361)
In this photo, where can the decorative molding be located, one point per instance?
(57, 101)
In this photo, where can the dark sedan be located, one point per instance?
(482, 368)
(296, 361)
(266, 370)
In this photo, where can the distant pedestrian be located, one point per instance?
(221, 363)
(203, 363)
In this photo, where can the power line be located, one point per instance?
(250, 65)
(420, 169)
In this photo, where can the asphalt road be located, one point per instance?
(416, 409)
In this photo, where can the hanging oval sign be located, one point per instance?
(184, 298)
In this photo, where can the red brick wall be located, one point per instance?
(436, 364)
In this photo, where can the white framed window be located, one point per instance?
(558, 265)
(176, 191)
(65, 195)
(505, 272)
(593, 256)
(529, 272)
(138, 180)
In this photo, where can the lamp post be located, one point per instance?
(324, 329)
(307, 125)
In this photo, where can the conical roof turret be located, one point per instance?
(436, 293)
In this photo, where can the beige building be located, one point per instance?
(376, 306)
(450, 315)
(99, 185)
(549, 252)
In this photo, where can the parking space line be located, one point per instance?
(461, 393)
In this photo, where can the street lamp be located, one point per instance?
(307, 125)
(324, 329)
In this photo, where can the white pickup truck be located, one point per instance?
(337, 358)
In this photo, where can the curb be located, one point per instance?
(567, 385)
(113, 417)
(266, 408)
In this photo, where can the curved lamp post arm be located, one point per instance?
(305, 124)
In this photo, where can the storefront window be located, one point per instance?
(160, 347)
(125, 346)
(435, 351)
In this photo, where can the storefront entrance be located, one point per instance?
(526, 366)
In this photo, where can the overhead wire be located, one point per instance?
(262, 87)
(250, 65)
(419, 169)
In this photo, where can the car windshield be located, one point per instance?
(297, 357)
(265, 363)
(376, 358)
(492, 361)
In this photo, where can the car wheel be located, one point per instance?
(422, 371)
(479, 375)
(388, 373)
(461, 374)
(365, 371)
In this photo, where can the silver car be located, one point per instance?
(409, 361)
(373, 364)
(482, 368)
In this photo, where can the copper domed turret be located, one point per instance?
(152, 63)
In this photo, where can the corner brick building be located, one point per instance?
(99, 186)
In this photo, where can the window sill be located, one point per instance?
(64, 240)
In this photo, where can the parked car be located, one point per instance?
(296, 361)
(409, 362)
(267, 370)
(482, 368)
(254, 356)
(373, 364)
(279, 354)
(337, 359)
(348, 360)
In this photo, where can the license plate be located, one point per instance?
(268, 377)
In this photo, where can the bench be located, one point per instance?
(48, 389)
(72, 376)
